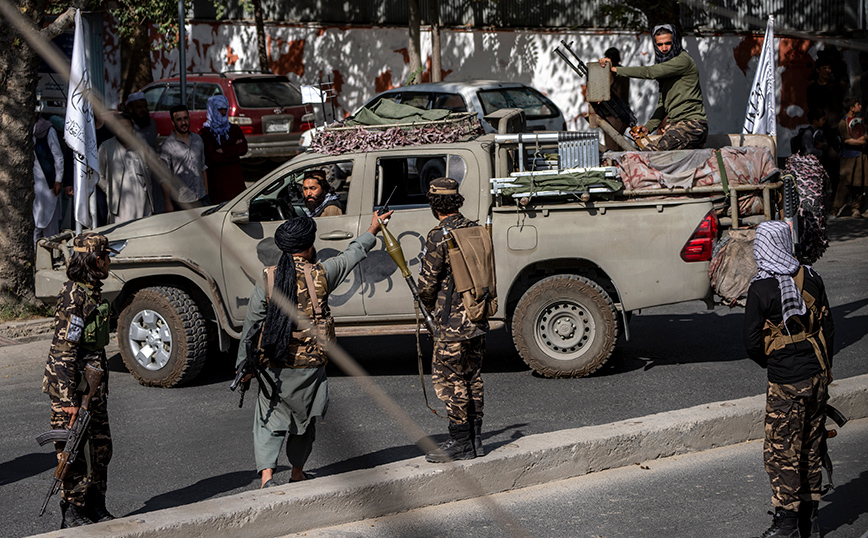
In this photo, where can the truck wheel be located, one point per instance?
(163, 337)
(565, 326)
(431, 170)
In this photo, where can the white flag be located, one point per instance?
(79, 131)
(760, 117)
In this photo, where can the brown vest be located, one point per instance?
(307, 347)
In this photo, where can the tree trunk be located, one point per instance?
(434, 15)
(414, 48)
(260, 36)
(18, 79)
(135, 62)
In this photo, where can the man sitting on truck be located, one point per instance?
(680, 94)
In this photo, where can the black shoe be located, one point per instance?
(73, 516)
(477, 437)
(809, 519)
(785, 524)
(458, 447)
(97, 512)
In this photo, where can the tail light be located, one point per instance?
(308, 121)
(698, 248)
(244, 122)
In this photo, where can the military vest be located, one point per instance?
(775, 336)
(307, 347)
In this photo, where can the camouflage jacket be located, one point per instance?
(434, 278)
(67, 359)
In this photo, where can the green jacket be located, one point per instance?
(680, 94)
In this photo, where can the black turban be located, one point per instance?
(292, 237)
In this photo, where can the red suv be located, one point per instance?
(268, 108)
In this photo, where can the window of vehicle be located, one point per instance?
(535, 104)
(404, 181)
(282, 198)
(266, 93)
(448, 101)
(202, 93)
(417, 99)
(172, 96)
(152, 96)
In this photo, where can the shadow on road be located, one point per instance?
(28, 465)
(201, 490)
(846, 229)
(846, 504)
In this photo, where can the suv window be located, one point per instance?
(172, 96)
(535, 104)
(152, 96)
(202, 93)
(406, 179)
(282, 198)
(266, 93)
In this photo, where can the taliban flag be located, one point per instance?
(79, 131)
(760, 117)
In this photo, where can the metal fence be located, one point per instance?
(832, 17)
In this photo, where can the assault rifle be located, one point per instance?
(74, 435)
(250, 368)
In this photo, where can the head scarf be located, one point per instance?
(41, 127)
(293, 236)
(676, 49)
(772, 250)
(217, 122)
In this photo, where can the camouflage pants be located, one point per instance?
(88, 474)
(690, 134)
(795, 429)
(456, 373)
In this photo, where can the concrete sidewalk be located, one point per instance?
(405, 485)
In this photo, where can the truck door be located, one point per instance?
(269, 204)
(405, 177)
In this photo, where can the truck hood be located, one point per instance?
(150, 226)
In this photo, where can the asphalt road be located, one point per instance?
(720, 493)
(177, 446)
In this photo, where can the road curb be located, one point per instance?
(409, 484)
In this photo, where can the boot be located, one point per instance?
(477, 437)
(73, 516)
(785, 524)
(96, 508)
(809, 520)
(458, 447)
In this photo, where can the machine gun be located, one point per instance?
(607, 104)
(74, 435)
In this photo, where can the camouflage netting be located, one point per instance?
(337, 142)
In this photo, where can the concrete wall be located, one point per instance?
(365, 60)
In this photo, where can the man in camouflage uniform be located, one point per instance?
(459, 344)
(788, 329)
(84, 488)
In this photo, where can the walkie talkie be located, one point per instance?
(385, 208)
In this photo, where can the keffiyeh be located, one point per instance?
(217, 122)
(772, 250)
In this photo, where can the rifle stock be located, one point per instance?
(76, 432)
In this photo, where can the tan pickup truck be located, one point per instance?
(570, 266)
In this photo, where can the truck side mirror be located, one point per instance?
(240, 217)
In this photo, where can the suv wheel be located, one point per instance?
(565, 326)
(163, 337)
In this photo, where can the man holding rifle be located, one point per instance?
(459, 344)
(81, 331)
(292, 355)
(680, 94)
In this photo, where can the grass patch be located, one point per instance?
(24, 312)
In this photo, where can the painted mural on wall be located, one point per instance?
(364, 61)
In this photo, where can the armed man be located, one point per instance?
(292, 356)
(788, 329)
(459, 343)
(81, 332)
(680, 94)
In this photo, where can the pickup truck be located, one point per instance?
(569, 270)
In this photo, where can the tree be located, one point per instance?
(434, 15)
(644, 14)
(414, 47)
(18, 79)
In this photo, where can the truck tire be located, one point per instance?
(565, 326)
(163, 337)
(431, 170)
